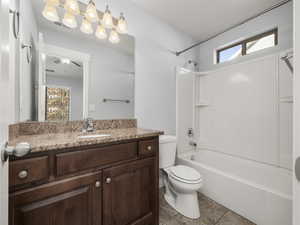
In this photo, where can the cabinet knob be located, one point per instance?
(23, 174)
(149, 147)
(108, 180)
(97, 184)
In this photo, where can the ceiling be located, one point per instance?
(70, 70)
(203, 18)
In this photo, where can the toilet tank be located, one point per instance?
(167, 151)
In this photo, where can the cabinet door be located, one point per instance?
(130, 194)
(74, 201)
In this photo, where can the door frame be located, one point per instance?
(296, 113)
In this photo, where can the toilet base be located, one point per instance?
(182, 196)
(185, 204)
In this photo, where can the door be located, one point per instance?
(7, 102)
(296, 197)
(75, 201)
(129, 194)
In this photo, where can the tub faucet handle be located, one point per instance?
(193, 143)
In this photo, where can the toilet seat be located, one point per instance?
(185, 174)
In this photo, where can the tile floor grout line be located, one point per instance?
(215, 211)
(221, 217)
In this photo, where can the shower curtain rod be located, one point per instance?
(234, 26)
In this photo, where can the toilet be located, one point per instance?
(181, 182)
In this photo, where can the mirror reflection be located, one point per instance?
(64, 89)
(67, 74)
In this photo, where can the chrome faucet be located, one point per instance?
(88, 125)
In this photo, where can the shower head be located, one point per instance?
(191, 65)
(193, 62)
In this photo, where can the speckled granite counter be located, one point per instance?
(56, 141)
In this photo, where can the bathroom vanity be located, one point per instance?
(67, 180)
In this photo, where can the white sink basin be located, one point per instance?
(94, 136)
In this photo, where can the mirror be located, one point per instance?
(64, 89)
(66, 74)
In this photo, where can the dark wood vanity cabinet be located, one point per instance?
(129, 193)
(104, 192)
(75, 201)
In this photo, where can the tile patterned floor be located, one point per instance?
(212, 213)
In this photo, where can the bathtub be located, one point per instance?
(262, 193)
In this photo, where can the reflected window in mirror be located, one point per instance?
(57, 104)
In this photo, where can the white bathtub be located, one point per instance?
(260, 192)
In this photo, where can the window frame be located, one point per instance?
(244, 42)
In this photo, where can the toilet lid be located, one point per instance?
(185, 173)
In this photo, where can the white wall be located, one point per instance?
(110, 75)
(76, 86)
(281, 17)
(28, 36)
(155, 64)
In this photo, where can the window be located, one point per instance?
(248, 46)
(57, 104)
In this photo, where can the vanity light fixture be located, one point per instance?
(69, 20)
(50, 13)
(101, 32)
(91, 12)
(89, 16)
(52, 2)
(86, 26)
(72, 7)
(114, 37)
(107, 19)
(122, 25)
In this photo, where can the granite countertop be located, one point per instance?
(57, 141)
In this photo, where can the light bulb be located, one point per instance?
(52, 2)
(65, 61)
(91, 12)
(107, 19)
(72, 6)
(122, 25)
(101, 32)
(86, 26)
(114, 37)
(69, 20)
(50, 13)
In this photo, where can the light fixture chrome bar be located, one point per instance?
(82, 7)
(288, 63)
(234, 26)
(116, 100)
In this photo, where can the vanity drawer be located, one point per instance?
(28, 170)
(71, 162)
(148, 147)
